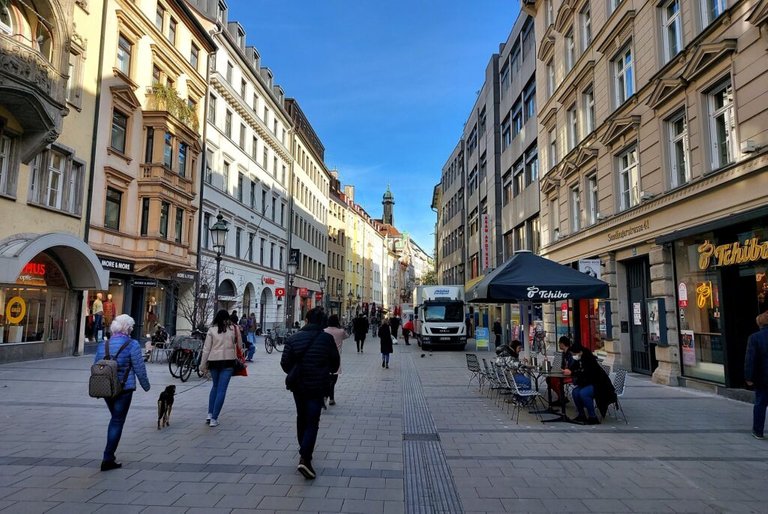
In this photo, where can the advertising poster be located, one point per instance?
(654, 329)
(481, 338)
(637, 313)
(689, 350)
(591, 267)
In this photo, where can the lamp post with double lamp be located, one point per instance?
(339, 290)
(322, 291)
(292, 268)
(219, 232)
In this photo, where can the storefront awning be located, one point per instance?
(77, 259)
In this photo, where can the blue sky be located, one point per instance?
(387, 86)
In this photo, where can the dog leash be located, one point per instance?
(205, 380)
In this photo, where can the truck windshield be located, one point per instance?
(449, 312)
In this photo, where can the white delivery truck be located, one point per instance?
(439, 317)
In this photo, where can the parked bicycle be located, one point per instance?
(276, 340)
(186, 355)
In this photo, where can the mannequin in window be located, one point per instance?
(97, 309)
(152, 310)
(109, 311)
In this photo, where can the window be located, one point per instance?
(145, 218)
(531, 165)
(282, 216)
(155, 75)
(252, 196)
(272, 255)
(172, 31)
(124, 52)
(251, 237)
(274, 126)
(265, 158)
(74, 78)
(624, 81)
(238, 239)
(194, 56)
(552, 148)
(178, 229)
(722, 124)
(592, 199)
(240, 179)
(518, 179)
(263, 201)
(573, 127)
(529, 100)
(242, 88)
(614, 4)
(504, 80)
(168, 150)
(554, 220)
(678, 149)
(266, 115)
(262, 244)
(165, 209)
(711, 10)
(228, 124)
(517, 119)
(570, 51)
(550, 78)
(208, 166)
(585, 18)
(254, 148)
(112, 209)
(230, 69)
(673, 29)
(119, 126)
(255, 101)
(506, 134)
(183, 159)
(507, 187)
(575, 209)
(242, 136)
(225, 177)
(549, 13)
(212, 109)
(629, 179)
(514, 58)
(588, 103)
(159, 17)
(8, 169)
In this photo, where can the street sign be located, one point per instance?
(279, 292)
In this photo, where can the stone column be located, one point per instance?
(663, 286)
(612, 349)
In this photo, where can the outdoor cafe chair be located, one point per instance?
(473, 365)
(619, 380)
(502, 387)
(521, 398)
(607, 368)
(489, 377)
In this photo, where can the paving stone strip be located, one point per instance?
(429, 485)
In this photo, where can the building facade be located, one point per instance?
(451, 220)
(337, 225)
(247, 175)
(654, 122)
(49, 88)
(310, 189)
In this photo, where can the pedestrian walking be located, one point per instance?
(130, 364)
(756, 373)
(394, 325)
(250, 335)
(316, 355)
(338, 333)
(408, 330)
(468, 325)
(497, 331)
(218, 358)
(360, 329)
(385, 342)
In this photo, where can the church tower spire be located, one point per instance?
(388, 201)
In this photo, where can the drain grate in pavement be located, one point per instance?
(429, 485)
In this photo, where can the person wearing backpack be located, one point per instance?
(130, 366)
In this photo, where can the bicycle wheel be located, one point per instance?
(174, 362)
(279, 344)
(186, 367)
(268, 344)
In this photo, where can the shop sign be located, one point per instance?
(304, 292)
(32, 274)
(732, 253)
(279, 292)
(318, 296)
(629, 230)
(116, 264)
(294, 256)
(564, 312)
(486, 242)
(590, 267)
(267, 280)
(482, 337)
(704, 295)
(15, 310)
(144, 282)
(535, 293)
(682, 295)
(186, 276)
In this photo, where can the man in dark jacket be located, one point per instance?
(360, 329)
(756, 373)
(315, 351)
(497, 332)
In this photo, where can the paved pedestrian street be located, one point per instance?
(413, 438)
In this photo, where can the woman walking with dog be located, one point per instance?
(218, 358)
(130, 366)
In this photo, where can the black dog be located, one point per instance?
(164, 406)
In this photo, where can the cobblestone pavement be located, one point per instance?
(414, 438)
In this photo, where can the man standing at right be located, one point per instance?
(315, 352)
(756, 373)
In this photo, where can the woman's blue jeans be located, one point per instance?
(219, 383)
(585, 397)
(118, 408)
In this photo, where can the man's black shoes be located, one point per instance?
(305, 468)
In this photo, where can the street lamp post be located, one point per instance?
(219, 237)
(292, 268)
(350, 299)
(339, 290)
(322, 291)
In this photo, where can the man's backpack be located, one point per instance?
(104, 382)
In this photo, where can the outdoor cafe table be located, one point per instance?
(535, 374)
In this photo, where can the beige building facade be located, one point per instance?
(652, 137)
(49, 87)
(146, 185)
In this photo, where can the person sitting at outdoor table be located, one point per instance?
(512, 351)
(564, 344)
(592, 385)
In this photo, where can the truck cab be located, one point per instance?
(439, 317)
